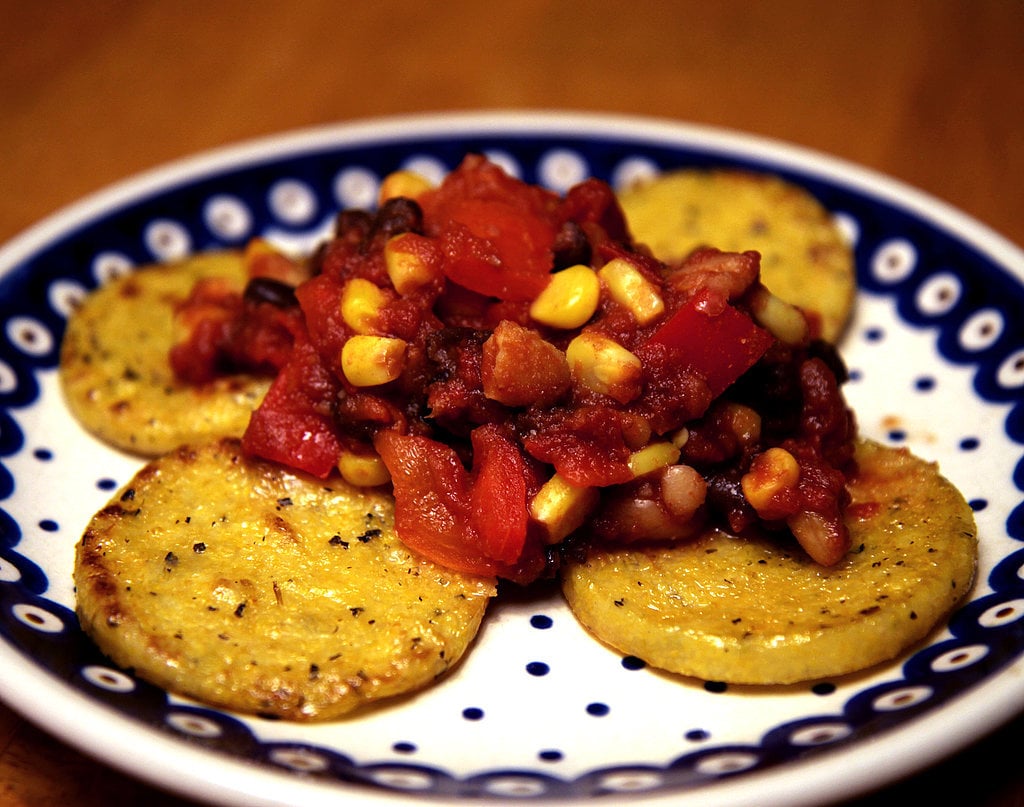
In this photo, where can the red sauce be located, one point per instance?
(486, 408)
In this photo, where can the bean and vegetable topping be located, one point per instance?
(526, 377)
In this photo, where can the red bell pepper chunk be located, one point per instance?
(714, 339)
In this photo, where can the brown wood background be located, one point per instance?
(929, 92)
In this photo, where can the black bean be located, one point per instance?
(268, 290)
(398, 215)
(571, 246)
(353, 225)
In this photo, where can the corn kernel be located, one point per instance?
(368, 361)
(561, 507)
(785, 321)
(569, 299)
(363, 470)
(402, 183)
(629, 288)
(361, 302)
(406, 265)
(652, 457)
(771, 472)
(604, 366)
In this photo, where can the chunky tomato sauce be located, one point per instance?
(525, 377)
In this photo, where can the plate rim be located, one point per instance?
(168, 760)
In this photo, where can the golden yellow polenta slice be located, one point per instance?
(805, 259)
(114, 369)
(244, 586)
(751, 611)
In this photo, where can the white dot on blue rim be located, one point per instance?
(959, 658)
(894, 261)
(167, 240)
(560, 169)
(1011, 372)
(902, 698)
(108, 679)
(726, 762)
(982, 329)
(633, 170)
(227, 217)
(939, 294)
(37, 618)
(107, 266)
(299, 759)
(30, 336)
(820, 734)
(193, 725)
(1002, 614)
(292, 201)
(430, 168)
(65, 296)
(356, 188)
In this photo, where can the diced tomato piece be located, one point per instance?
(714, 339)
(290, 425)
(496, 232)
(498, 496)
(474, 522)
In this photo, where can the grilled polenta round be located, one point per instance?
(242, 585)
(749, 611)
(115, 373)
(805, 259)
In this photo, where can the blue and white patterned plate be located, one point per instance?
(538, 710)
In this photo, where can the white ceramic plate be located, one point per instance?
(538, 711)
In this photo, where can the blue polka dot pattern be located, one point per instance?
(935, 364)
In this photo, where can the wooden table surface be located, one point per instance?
(90, 92)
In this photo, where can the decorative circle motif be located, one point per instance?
(631, 781)
(716, 764)
(1002, 614)
(37, 618)
(30, 336)
(299, 759)
(228, 217)
(515, 786)
(109, 265)
(194, 725)
(1011, 372)
(356, 187)
(959, 658)
(8, 378)
(402, 778)
(107, 678)
(430, 168)
(292, 201)
(902, 698)
(821, 734)
(560, 169)
(894, 261)
(982, 330)
(633, 170)
(939, 294)
(167, 240)
(9, 573)
(65, 296)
